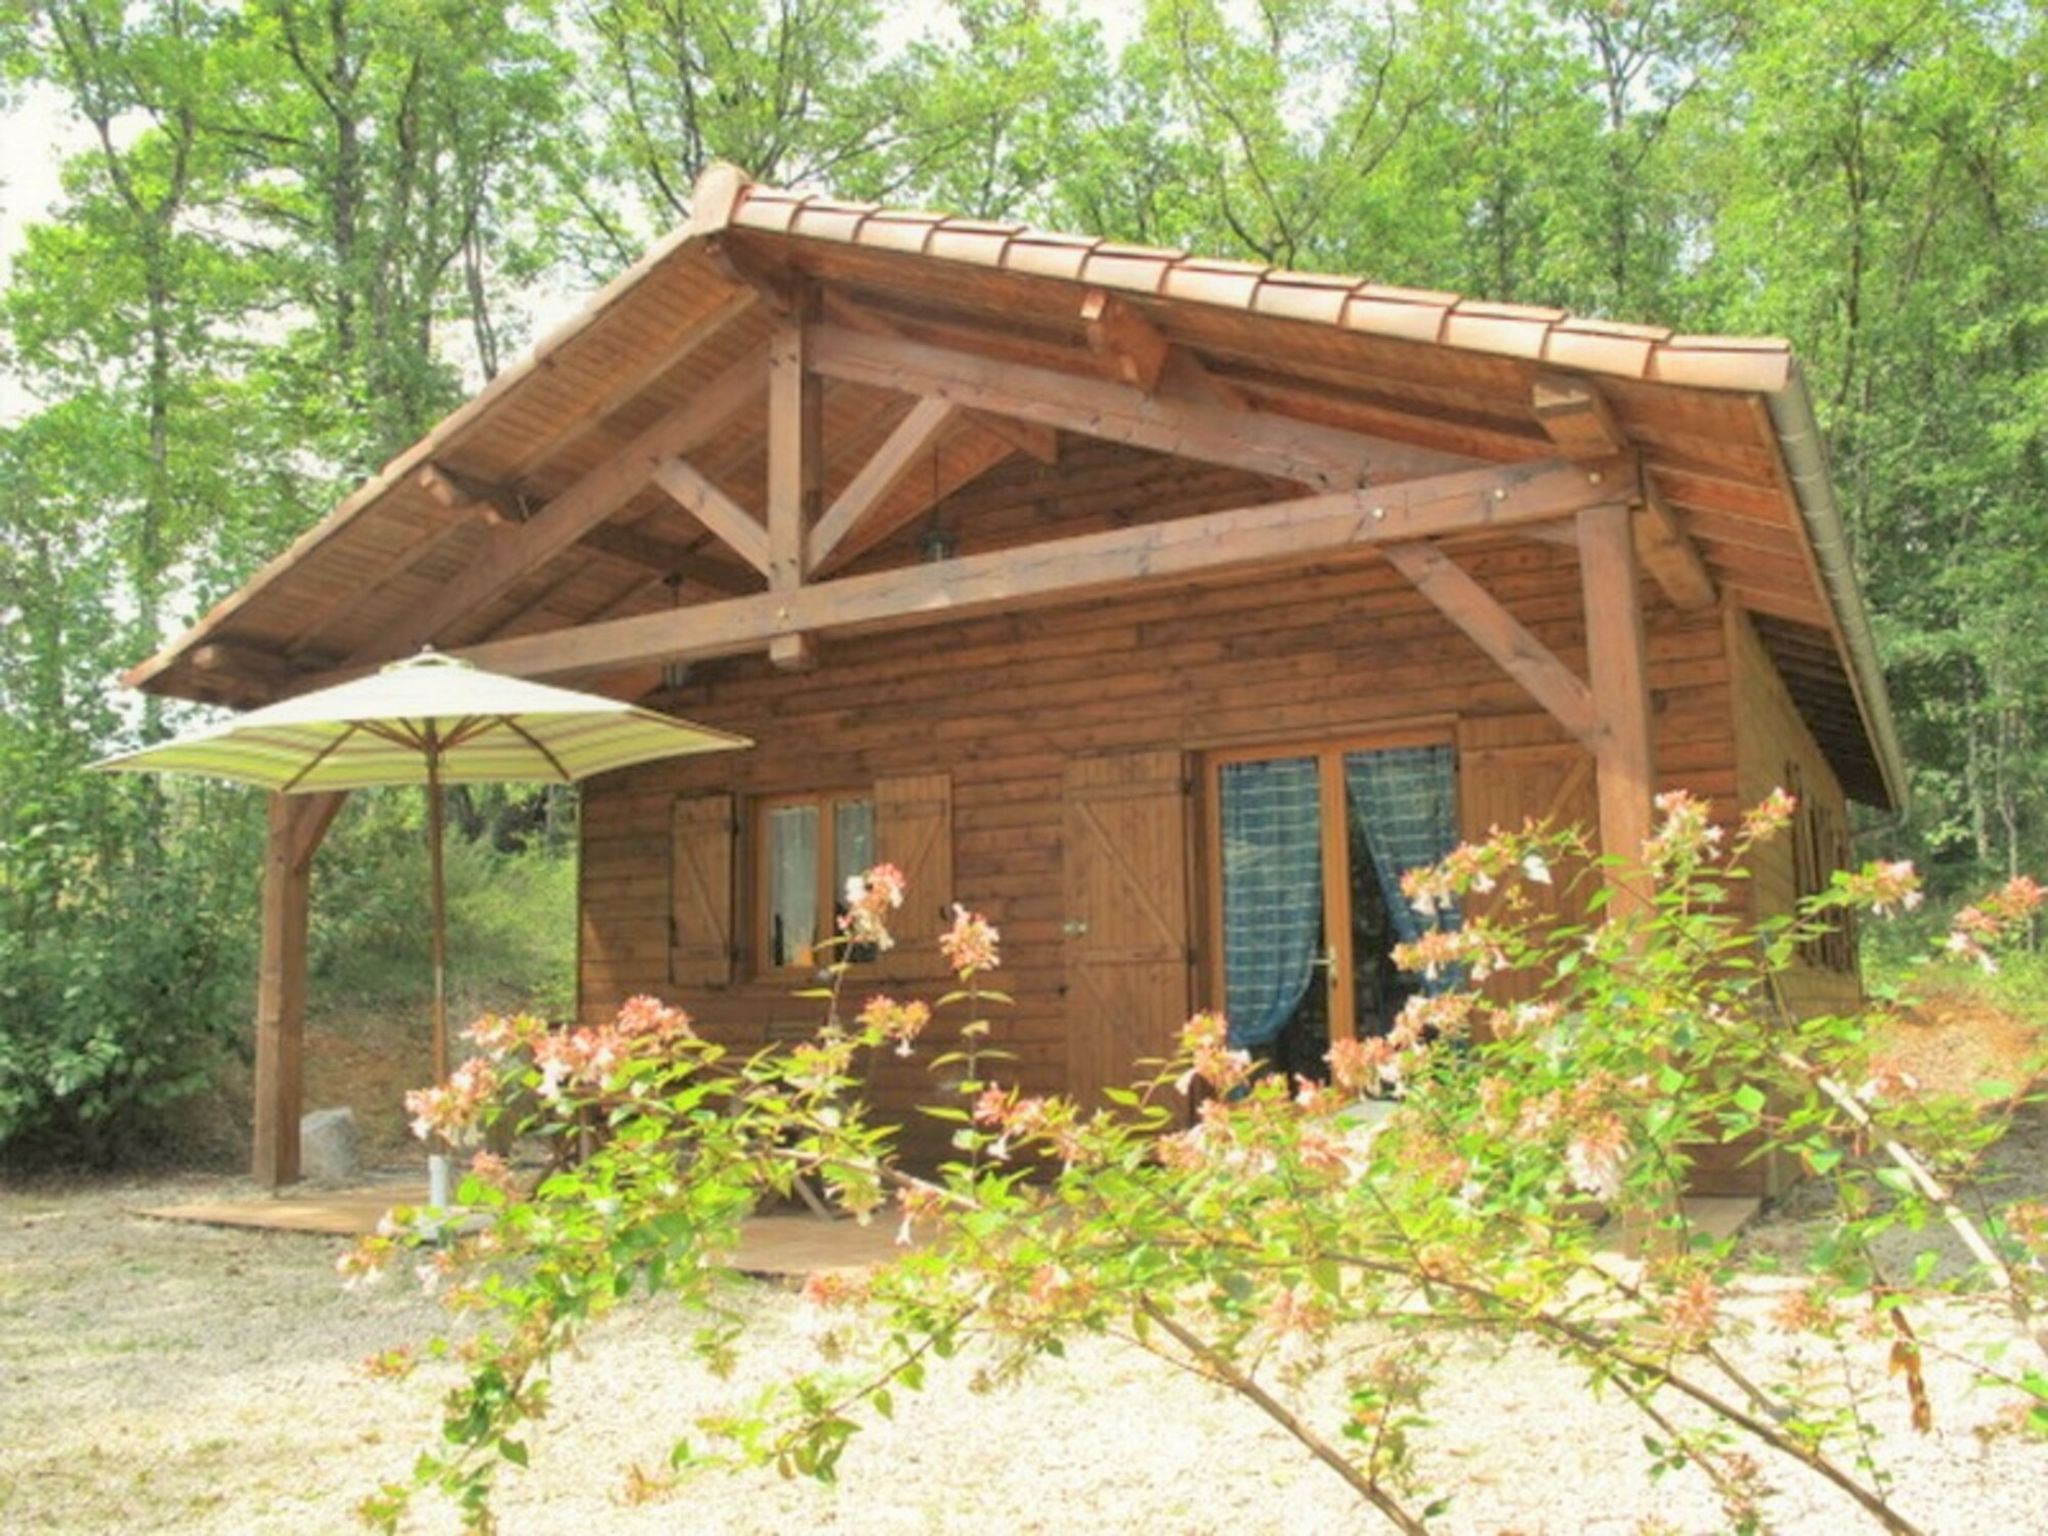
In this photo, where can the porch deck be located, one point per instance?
(780, 1243)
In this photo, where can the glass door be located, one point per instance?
(1309, 847)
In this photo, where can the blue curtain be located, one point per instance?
(1272, 893)
(1404, 801)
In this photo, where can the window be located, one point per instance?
(1309, 845)
(807, 846)
(1820, 846)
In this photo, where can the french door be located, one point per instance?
(1307, 846)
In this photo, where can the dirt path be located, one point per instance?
(156, 1377)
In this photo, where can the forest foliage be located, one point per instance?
(294, 234)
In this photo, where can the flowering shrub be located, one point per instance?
(1461, 1175)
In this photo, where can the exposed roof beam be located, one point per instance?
(1124, 339)
(458, 492)
(1062, 570)
(1325, 457)
(1501, 635)
(726, 520)
(665, 559)
(883, 472)
(1672, 559)
(243, 673)
(572, 424)
(519, 551)
(1576, 415)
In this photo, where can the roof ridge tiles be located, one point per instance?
(1434, 317)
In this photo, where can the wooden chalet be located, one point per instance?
(1158, 606)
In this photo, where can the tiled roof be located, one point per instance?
(1532, 332)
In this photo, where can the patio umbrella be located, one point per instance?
(431, 720)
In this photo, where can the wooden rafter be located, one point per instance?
(1580, 422)
(1501, 635)
(571, 426)
(1576, 416)
(843, 521)
(517, 552)
(1130, 345)
(1264, 442)
(457, 492)
(1061, 570)
(726, 520)
(665, 558)
(1672, 559)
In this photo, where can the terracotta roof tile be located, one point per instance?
(1536, 332)
(1286, 294)
(1761, 369)
(1401, 314)
(762, 209)
(1474, 329)
(1224, 284)
(982, 245)
(894, 231)
(1599, 351)
(832, 221)
(1127, 267)
(1038, 256)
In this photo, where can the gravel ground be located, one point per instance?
(176, 1378)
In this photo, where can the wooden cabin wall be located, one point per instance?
(1004, 705)
(1774, 747)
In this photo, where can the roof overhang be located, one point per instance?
(643, 415)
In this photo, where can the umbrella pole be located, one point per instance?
(439, 1172)
(440, 915)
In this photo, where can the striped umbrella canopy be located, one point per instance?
(430, 720)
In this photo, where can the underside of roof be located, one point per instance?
(1436, 382)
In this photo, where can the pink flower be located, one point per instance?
(648, 1018)
(1595, 1157)
(1206, 1039)
(1884, 886)
(496, 1035)
(1770, 815)
(891, 1020)
(454, 1109)
(1686, 832)
(870, 897)
(970, 944)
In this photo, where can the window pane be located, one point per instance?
(792, 883)
(853, 841)
(1272, 897)
(1403, 804)
(853, 852)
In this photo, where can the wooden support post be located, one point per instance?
(794, 456)
(1623, 756)
(297, 825)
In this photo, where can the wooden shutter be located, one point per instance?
(914, 831)
(1126, 932)
(1504, 786)
(701, 833)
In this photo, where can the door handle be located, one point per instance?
(1074, 927)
